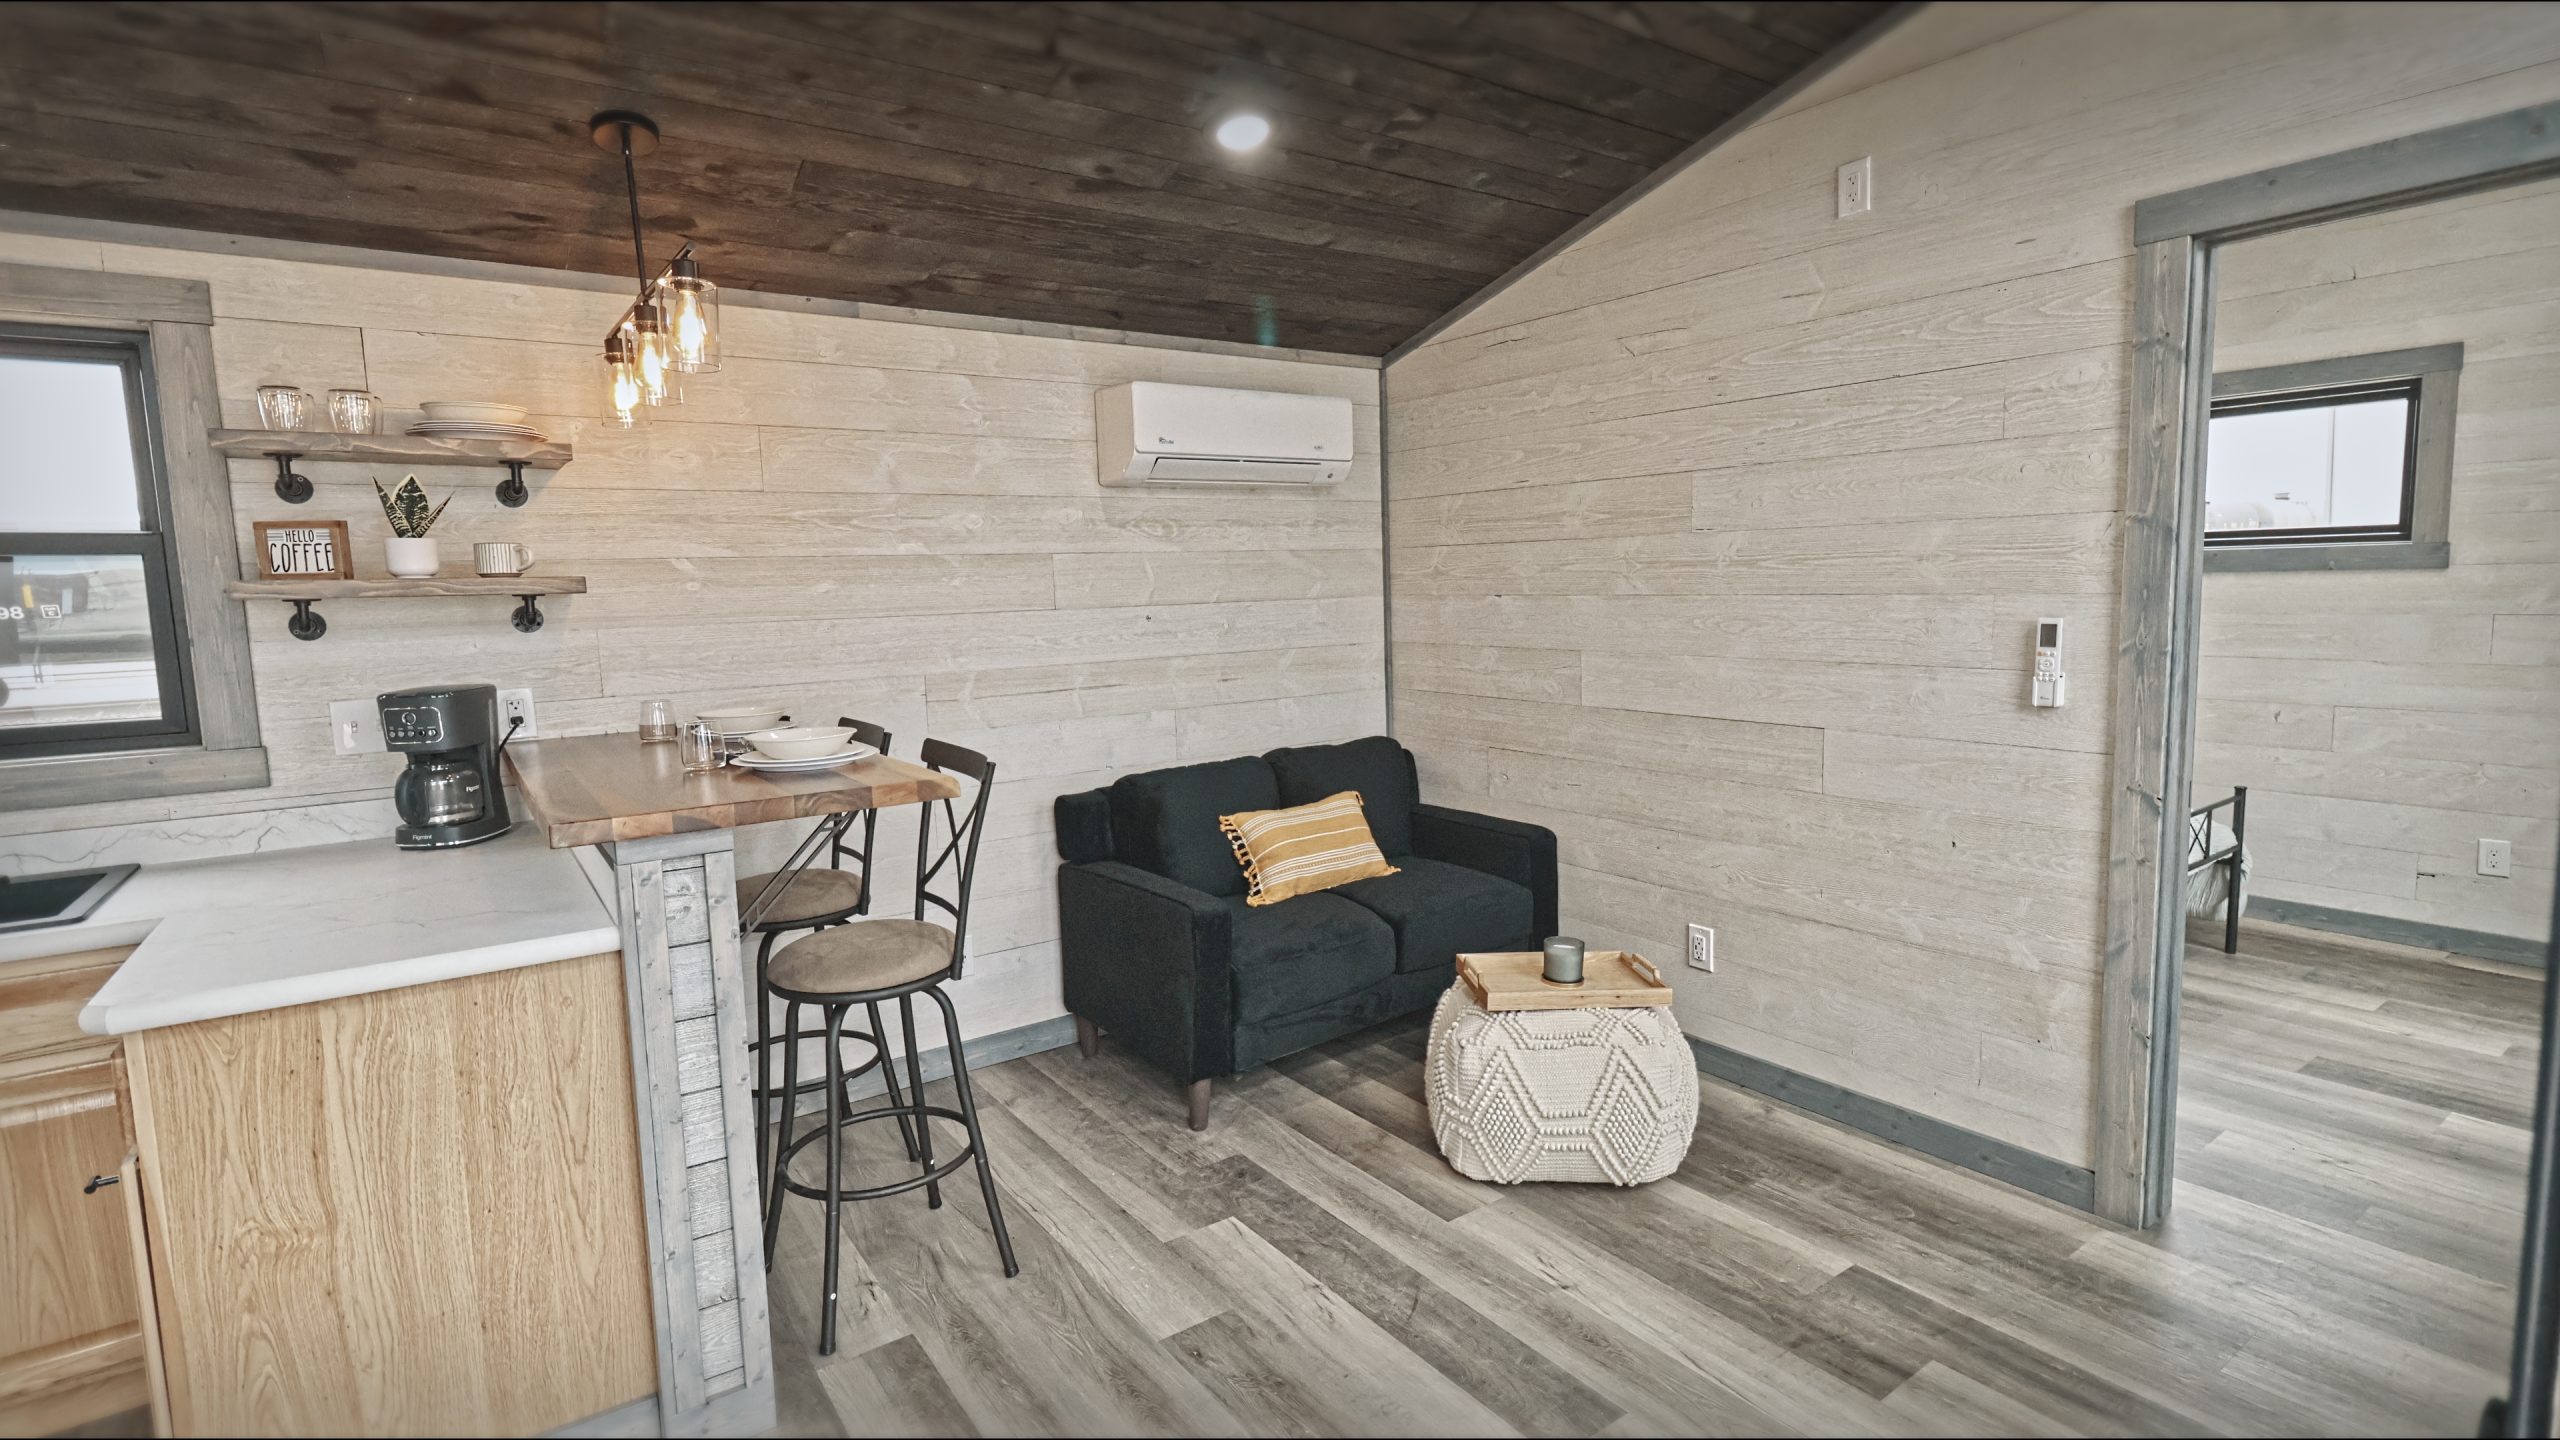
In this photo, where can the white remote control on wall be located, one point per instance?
(2048, 676)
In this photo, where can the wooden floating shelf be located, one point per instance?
(286, 446)
(302, 594)
(410, 449)
(326, 588)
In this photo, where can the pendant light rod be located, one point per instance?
(632, 134)
(631, 187)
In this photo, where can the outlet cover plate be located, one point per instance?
(1857, 186)
(2498, 859)
(1702, 948)
(512, 703)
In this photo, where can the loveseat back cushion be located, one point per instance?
(1166, 821)
(1084, 827)
(1379, 768)
(1304, 952)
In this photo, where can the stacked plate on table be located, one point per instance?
(475, 420)
(801, 747)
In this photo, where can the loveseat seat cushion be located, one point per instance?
(1379, 768)
(1439, 911)
(1304, 952)
(1166, 821)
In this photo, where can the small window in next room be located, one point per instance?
(91, 648)
(2338, 464)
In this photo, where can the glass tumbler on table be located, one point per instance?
(282, 407)
(657, 723)
(702, 748)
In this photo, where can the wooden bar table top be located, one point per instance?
(599, 789)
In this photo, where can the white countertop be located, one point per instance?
(287, 927)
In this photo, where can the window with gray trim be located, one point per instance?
(2333, 464)
(92, 654)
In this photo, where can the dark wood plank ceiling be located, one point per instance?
(1039, 162)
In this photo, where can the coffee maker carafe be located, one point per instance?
(451, 793)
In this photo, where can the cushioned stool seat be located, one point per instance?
(865, 955)
(813, 893)
(1590, 1095)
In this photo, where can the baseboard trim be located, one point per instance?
(2481, 944)
(983, 1051)
(2002, 1161)
(638, 1418)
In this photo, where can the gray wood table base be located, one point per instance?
(685, 983)
(2339, 1260)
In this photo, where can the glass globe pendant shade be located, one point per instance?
(690, 306)
(622, 398)
(647, 335)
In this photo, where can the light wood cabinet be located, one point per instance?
(71, 1345)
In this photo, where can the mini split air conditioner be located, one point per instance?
(1150, 433)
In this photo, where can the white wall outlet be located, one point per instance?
(516, 705)
(1858, 186)
(2497, 857)
(355, 727)
(1702, 948)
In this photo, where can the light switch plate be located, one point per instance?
(355, 727)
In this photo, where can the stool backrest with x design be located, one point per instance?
(944, 875)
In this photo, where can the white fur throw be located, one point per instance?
(1591, 1095)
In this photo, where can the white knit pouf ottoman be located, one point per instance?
(1586, 1094)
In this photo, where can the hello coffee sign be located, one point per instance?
(303, 549)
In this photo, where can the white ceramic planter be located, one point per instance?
(410, 559)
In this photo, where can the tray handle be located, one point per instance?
(1644, 967)
(1475, 982)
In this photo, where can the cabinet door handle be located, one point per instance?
(98, 1183)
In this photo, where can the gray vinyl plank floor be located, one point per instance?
(2339, 1261)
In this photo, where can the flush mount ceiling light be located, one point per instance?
(673, 326)
(1242, 132)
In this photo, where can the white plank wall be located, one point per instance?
(2386, 722)
(1717, 539)
(899, 521)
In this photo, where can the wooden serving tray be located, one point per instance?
(1515, 980)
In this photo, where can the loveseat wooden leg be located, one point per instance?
(1199, 1104)
(1088, 1038)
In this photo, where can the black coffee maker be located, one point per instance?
(451, 794)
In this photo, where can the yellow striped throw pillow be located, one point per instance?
(1305, 848)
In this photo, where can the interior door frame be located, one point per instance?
(2175, 238)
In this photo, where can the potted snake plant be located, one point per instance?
(409, 551)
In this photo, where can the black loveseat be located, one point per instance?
(1161, 951)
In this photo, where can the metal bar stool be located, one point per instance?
(813, 898)
(864, 963)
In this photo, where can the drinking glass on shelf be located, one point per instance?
(657, 723)
(354, 412)
(702, 749)
(282, 407)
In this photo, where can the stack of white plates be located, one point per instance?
(475, 420)
(758, 760)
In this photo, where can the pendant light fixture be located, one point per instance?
(673, 326)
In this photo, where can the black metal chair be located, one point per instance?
(865, 963)
(817, 897)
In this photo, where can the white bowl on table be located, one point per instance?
(742, 719)
(802, 742)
